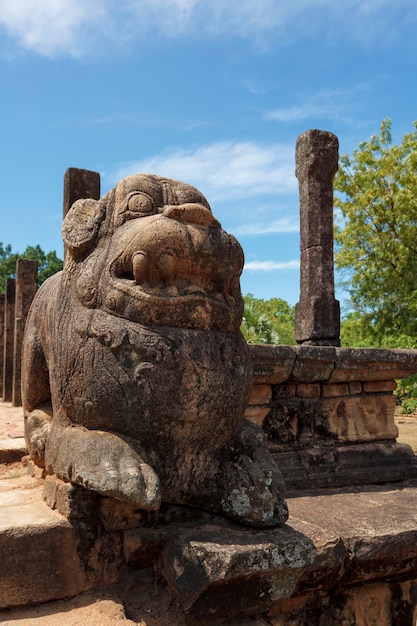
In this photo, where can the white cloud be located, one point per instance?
(80, 27)
(270, 266)
(283, 225)
(50, 27)
(329, 103)
(225, 170)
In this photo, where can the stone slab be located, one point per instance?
(357, 536)
(337, 466)
(220, 570)
(12, 449)
(44, 556)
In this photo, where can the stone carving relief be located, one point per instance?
(135, 375)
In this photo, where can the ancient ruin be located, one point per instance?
(317, 314)
(135, 375)
(161, 334)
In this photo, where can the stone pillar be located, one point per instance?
(1, 341)
(79, 184)
(317, 314)
(9, 316)
(26, 287)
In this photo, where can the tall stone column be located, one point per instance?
(317, 314)
(80, 184)
(26, 287)
(1, 341)
(9, 315)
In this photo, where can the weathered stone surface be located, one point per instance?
(291, 423)
(80, 184)
(39, 559)
(337, 465)
(353, 364)
(271, 364)
(220, 572)
(305, 390)
(348, 554)
(26, 287)
(313, 363)
(2, 297)
(358, 418)
(135, 374)
(9, 313)
(260, 394)
(379, 386)
(317, 314)
(256, 414)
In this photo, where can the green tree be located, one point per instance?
(48, 263)
(268, 321)
(376, 236)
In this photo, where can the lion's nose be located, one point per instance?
(191, 213)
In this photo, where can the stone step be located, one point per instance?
(342, 554)
(38, 547)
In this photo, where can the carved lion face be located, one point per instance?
(151, 251)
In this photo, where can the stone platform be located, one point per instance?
(347, 555)
(344, 555)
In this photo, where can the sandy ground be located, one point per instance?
(407, 429)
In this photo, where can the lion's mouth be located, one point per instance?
(166, 277)
(182, 290)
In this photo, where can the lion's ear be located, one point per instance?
(81, 225)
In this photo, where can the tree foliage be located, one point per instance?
(376, 236)
(48, 263)
(268, 321)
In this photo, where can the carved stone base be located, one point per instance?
(338, 466)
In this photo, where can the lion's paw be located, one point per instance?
(103, 462)
(250, 483)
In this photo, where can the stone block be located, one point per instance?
(353, 364)
(257, 414)
(221, 572)
(379, 386)
(291, 424)
(357, 418)
(318, 321)
(355, 388)
(282, 391)
(313, 363)
(260, 394)
(329, 466)
(39, 552)
(271, 364)
(71, 501)
(334, 390)
(308, 390)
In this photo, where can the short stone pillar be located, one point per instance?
(1, 341)
(9, 315)
(26, 287)
(79, 184)
(317, 314)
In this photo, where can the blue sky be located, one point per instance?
(213, 92)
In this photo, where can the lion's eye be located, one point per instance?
(141, 204)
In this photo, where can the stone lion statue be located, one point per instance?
(135, 375)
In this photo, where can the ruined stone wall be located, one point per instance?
(329, 413)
